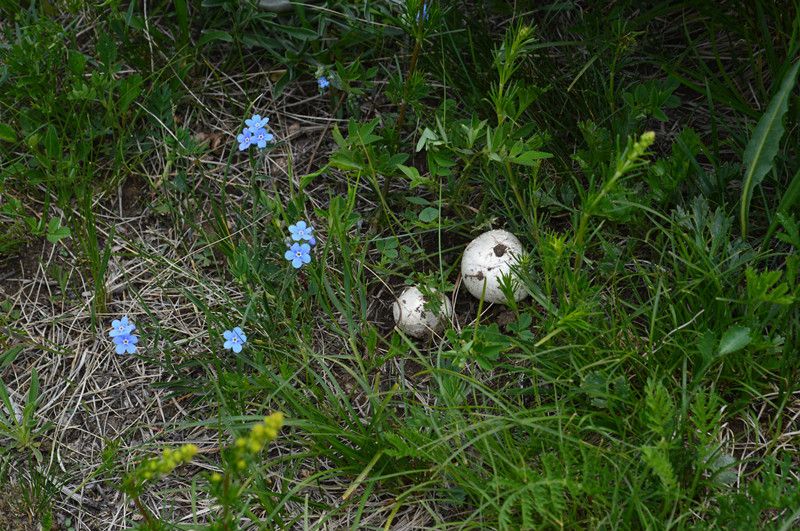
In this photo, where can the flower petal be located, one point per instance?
(289, 255)
(297, 263)
(237, 347)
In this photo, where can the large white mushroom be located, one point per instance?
(414, 319)
(487, 259)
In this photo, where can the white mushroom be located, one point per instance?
(487, 259)
(414, 319)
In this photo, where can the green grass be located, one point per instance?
(649, 381)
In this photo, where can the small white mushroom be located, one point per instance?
(414, 319)
(487, 259)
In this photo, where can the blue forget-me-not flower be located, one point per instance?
(261, 137)
(256, 122)
(121, 327)
(125, 344)
(255, 133)
(245, 139)
(302, 231)
(298, 254)
(323, 82)
(234, 339)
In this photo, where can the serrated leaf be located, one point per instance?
(129, 90)
(735, 338)
(763, 145)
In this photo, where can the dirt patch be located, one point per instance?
(13, 517)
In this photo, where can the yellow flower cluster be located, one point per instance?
(261, 434)
(157, 467)
(167, 462)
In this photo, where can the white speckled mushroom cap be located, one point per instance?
(487, 259)
(411, 316)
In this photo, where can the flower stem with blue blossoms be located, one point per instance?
(299, 252)
(255, 132)
(422, 14)
(122, 335)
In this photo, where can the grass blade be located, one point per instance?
(790, 198)
(763, 145)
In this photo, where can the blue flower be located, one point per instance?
(245, 139)
(126, 344)
(323, 82)
(234, 339)
(121, 327)
(261, 137)
(256, 122)
(302, 231)
(298, 254)
(423, 13)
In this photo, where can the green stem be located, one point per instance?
(148, 518)
(401, 115)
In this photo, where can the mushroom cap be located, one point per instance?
(411, 316)
(487, 259)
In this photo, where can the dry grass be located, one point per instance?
(104, 409)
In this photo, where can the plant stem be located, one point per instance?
(401, 115)
(147, 516)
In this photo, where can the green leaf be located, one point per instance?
(763, 145)
(428, 214)
(735, 338)
(55, 232)
(8, 357)
(420, 201)
(51, 146)
(182, 14)
(76, 62)
(412, 173)
(106, 50)
(790, 198)
(7, 133)
(129, 90)
(658, 459)
(215, 35)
